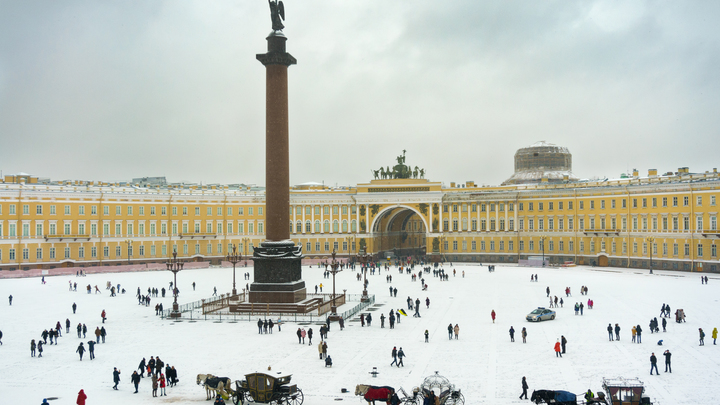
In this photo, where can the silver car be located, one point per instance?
(540, 314)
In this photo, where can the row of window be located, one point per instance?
(130, 210)
(551, 205)
(570, 247)
(326, 210)
(336, 226)
(130, 227)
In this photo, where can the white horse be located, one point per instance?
(215, 386)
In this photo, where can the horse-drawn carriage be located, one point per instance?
(446, 392)
(267, 389)
(618, 391)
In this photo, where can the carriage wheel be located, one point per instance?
(237, 398)
(455, 399)
(295, 399)
(248, 397)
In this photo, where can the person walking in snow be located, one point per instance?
(638, 330)
(91, 349)
(512, 334)
(523, 333)
(400, 356)
(492, 315)
(427, 335)
(634, 334)
(563, 343)
(450, 331)
(653, 364)
(74, 307)
(154, 380)
(309, 335)
(142, 366)
(80, 350)
(84, 330)
(32, 348)
(617, 332)
(524, 388)
(40, 348)
(79, 330)
(714, 336)
(557, 349)
(664, 324)
(456, 329)
(547, 290)
(394, 356)
(135, 378)
(116, 378)
(702, 337)
(103, 316)
(81, 398)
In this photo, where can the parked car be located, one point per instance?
(540, 314)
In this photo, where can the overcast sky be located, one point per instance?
(111, 90)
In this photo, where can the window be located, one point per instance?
(602, 204)
(664, 201)
(511, 224)
(67, 252)
(592, 204)
(581, 223)
(530, 206)
(473, 208)
(336, 226)
(106, 229)
(118, 230)
(560, 205)
(570, 224)
(675, 201)
(699, 223)
(550, 206)
(624, 203)
(521, 246)
(250, 211)
(492, 245)
(219, 211)
(26, 254)
(712, 200)
(551, 224)
(531, 224)
(308, 246)
(687, 249)
(510, 246)
(675, 249)
(118, 210)
(686, 223)
(540, 206)
(52, 210)
(570, 205)
(455, 246)
(581, 205)
(455, 224)
(67, 229)
(644, 202)
(152, 210)
(473, 245)
(446, 225)
(571, 246)
(327, 246)
(561, 246)
(686, 201)
(699, 200)
(141, 229)
(531, 245)
(38, 230)
(317, 246)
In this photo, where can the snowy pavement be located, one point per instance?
(483, 363)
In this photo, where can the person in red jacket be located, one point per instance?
(81, 398)
(557, 349)
(162, 385)
(103, 316)
(492, 315)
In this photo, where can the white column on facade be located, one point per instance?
(331, 218)
(303, 219)
(294, 217)
(312, 219)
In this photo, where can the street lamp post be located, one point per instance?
(542, 245)
(128, 241)
(650, 240)
(175, 265)
(363, 257)
(234, 258)
(349, 250)
(334, 266)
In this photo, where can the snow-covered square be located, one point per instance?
(483, 363)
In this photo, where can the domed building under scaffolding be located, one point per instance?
(542, 162)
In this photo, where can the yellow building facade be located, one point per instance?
(671, 219)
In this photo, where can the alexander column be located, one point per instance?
(278, 272)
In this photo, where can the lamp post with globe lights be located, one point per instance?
(234, 257)
(363, 258)
(175, 265)
(334, 269)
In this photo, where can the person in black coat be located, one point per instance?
(524, 388)
(116, 378)
(260, 326)
(563, 342)
(80, 350)
(638, 331)
(135, 378)
(610, 333)
(653, 364)
(512, 334)
(74, 307)
(667, 355)
(91, 349)
(142, 367)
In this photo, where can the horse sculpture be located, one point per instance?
(372, 393)
(214, 385)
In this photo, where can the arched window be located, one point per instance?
(317, 226)
(326, 226)
(353, 226)
(455, 225)
(336, 226)
(308, 227)
(492, 224)
(344, 226)
(298, 227)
